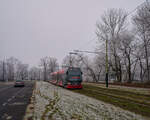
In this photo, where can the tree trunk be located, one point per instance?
(120, 72)
(45, 74)
(129, 70)
(3, 71)
(147, 64)
(141, 71)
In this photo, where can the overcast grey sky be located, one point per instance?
(32, 29)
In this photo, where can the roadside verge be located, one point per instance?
(29, 114)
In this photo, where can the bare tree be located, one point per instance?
(79, 60)
(11, 68)
(49, 64)
(128, 47)
(35, 73)
(69, 60)
(87, 66)
(99, 66)
(113, 23)
(3, 70)
(142, 23)
(44, 65)
(22, 71)
(139, 54)
(53, 64)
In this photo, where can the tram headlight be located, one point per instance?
(69, 83)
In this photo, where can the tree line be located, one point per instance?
(12, 69)
(128, 47)
(128, 52)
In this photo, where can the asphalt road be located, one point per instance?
(14, 100)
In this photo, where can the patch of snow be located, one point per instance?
(53, 102)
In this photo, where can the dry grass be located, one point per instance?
(55, 103)
(127, 99)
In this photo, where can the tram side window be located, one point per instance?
(54, 77)
(60, 77)
(63, 77)
(50, 77)
(57, 77)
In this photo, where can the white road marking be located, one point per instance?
(18, 92)
(9, 118)
(4, 104)
(6, 116)
(18, 103)
(13, 97)
(9, 99)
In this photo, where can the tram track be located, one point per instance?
(124, 101)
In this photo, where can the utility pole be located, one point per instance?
(3, 70)
(39, 74)
(106, 64)
(106, 77)
(70, 61)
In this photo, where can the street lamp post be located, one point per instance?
(106, 77)
(106, 64)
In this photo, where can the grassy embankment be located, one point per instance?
(132, 101)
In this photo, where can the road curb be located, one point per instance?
(29, 114)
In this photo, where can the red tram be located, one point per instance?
(70, 78)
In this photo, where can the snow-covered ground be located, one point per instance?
(56, 103)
